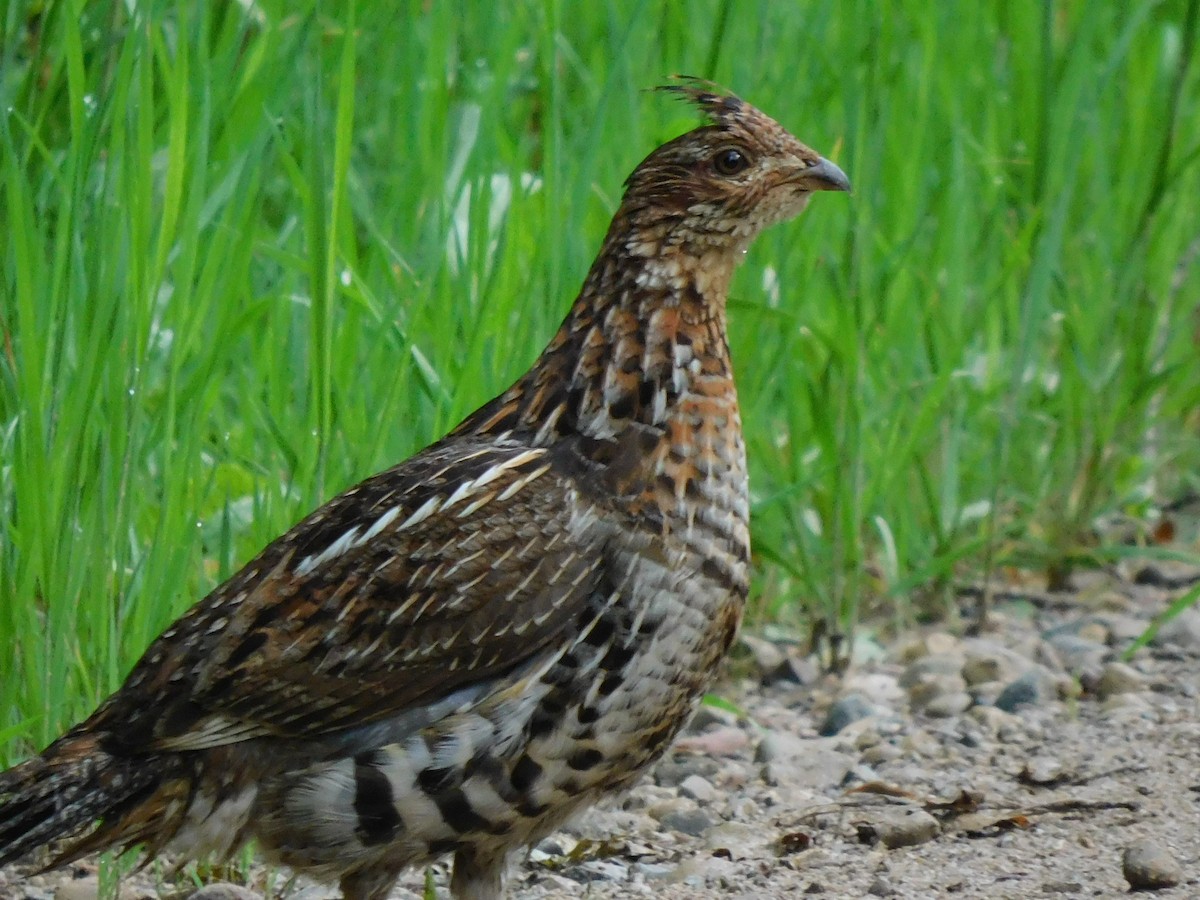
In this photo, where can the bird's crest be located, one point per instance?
(719, 105)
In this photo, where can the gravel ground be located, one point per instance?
(1027, 761)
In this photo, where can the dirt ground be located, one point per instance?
(1025, 761)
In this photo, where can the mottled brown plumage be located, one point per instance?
(460, 652)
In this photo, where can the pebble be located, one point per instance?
(1148, 866)
(224, 891)
(1182, 632)
(740, 840)
(921, 743)
(845, 711)
(821, 769)
(929, 687)
(779, 745)
(768, 657)
(1079, 655)
(935, 643)
(879, 688)
(987, 660)
(901, 827)
(881, 753)
(1035, 686)
(1119, 678)
(881, 887)
(699, 789)
(691, 821)
(923, 669)
(79, 889)
(949, 704)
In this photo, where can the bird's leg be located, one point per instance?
(369, 883)
(477, 875)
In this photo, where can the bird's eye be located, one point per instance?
(730, 161)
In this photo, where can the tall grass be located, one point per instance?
(252, 252)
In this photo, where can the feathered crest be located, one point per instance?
(718, 104)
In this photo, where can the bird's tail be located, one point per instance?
(63, 793)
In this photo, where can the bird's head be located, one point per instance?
(718, 186)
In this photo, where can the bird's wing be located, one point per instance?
(444, 572)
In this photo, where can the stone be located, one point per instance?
(1079, 655)
(1181, 632)
(821, 769)
(896, 827)
(699, 789)
(1034, 687)
(692, 821)
(1119, 678)
(937, 664)
(881, 887)
(740, 840)
(947, 705)
(224, 891)
(79, 889)
(987, 660)
(845, 711)
(768, 657)
(931, 686)
(881, 753)
(1148, 866)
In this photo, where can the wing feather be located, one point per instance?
(451, 569)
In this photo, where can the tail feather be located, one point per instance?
(62, 795)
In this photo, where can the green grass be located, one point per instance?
(253, 252)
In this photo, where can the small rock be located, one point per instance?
(1034, 687)
(1078, 654)
(820, 769)
(1182, 632)
(740, 840)
(1123, 629)
(698, 789)
(1044, 771)
(922, 743)
(692, 821)
(992, 720)
(709, 715)
(663, 808)
(1119, 678)
(224, 891)
(881, 688)
(868, 737)
(881, 887)
(939, 642)
(987, 660)
(650, 870)
(768, 657)
(929, 687)
(1148, 866)
(1126, 707)
(900, 827)
(984, 693)
(1094, 630)
(881, 753)
(948, 705)
(937, 664)
(779, 745)
(1062, 887)
(79, 889)
(848, 709)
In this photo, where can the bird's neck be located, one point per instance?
(643, 349)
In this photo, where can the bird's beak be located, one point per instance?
(824, 176)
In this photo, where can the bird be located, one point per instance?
(458, 654)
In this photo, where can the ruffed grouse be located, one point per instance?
(460, 652)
